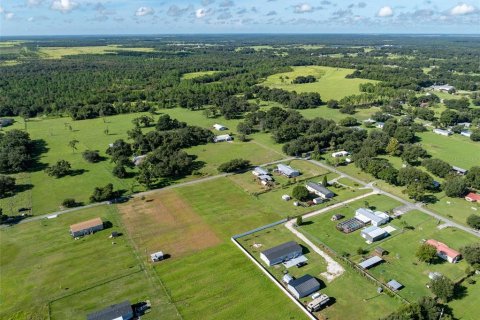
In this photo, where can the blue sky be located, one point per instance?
(69, 17)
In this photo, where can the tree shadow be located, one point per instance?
(430, 199)
(39, 147)
(23, 187)
(13, 220)
(460, 291)
(77, 172)
(305, 250)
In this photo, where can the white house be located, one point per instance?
(340, 154)
(380, 125)
(376, 218)
(373, 233)
(287, 170)
(259, 171)
(219, 127)
(466, 133)
(222, 138)
(319, 190)
(442, 88)
(281, 253)
(443, 132)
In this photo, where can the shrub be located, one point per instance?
(69, 203)
(474, 221)
(91, 156)
(300, 192)
(59, 169)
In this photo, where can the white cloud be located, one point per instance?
(303, 8)
(144, 11)
(34, 3)
(9, 15)
(461, 9)
(2, 10)
(386, 11)
(31, 19)
(200, 13)
(64, 6)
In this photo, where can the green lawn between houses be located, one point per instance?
(331, 82)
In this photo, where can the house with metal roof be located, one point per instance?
(259, 171)
(394, 285)
(86, 227)
(373, 233)
(287, 170)
(443, 88)
(443, 132)
(472, 197)
(340, 154)
(371, 262)
(281, 253)
(319, 190)
(376, 218)
(466, 133)
(219, 127)
(303, 286)
(444, 251)
(222, 138)
(459, 171)
(120, 311)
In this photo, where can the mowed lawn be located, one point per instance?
(331, 82)
(214, 281)
(457, 150)
(41, 262)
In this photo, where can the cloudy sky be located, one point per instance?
(67, 17)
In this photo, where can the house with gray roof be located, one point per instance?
(303, 286)
(285, 251)
(376, 218)
(371, 262)
(287, 170)
(319, 190)
(394, 285)
(121, 311)
(373, 233)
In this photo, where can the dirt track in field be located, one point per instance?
(165, 222)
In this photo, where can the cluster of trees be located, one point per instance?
(7, 186)
(234, 165)
(60, 169)
(289, 99)
(16, 151)
(103, 193)
(304, 79)
(425, 309)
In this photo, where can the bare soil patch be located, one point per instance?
(165, 222)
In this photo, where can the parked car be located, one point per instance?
(301, 264)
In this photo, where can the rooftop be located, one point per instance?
(369, 215)
(395, 285)
(86, 224)
(442, 247)
(374, 231)
(304, 285)
(320, 188)
(281, 250)
(370, 262)
(473, 196)
(285, 169)
(115, 311)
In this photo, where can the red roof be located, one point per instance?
(472, 197)
(442, 247)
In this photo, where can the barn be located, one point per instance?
(121, 311)
(303, 286)
(86, 227)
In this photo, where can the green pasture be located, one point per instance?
(60, 52)
(467, 308)
(331, 82)
(457, 209)
(457, 150)
(336, 115)
(41, 262)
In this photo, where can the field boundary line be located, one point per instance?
(273, 279)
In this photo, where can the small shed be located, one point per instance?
(337, 217)
(394, 285)
(157, 256)
(370, 262)
(219, 127)
(373, 233)
(259, 171)
(286, 197)
(318, 200)
(380, 251)
(222, 138)
(121, 310)
(287, 278)
(303, 286)
(459, 171)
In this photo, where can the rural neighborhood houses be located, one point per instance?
(303, 286)
(287, 171)
(319, 190)
(222, 138)
(283, 252)
(120, 311)
(443, 88)
(444, 252)
(394, 285)
(86, 227)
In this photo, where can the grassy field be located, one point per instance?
(334, 114)
(457, 150)
(45, 194)
(41, 262)
(198, 277)
(467, 308)
(60, 52)
(331, 82)
(192, 75)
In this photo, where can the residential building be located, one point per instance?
(5, 122)
(120, 311)
(219, 127)
(303, 286)
(259, 171)
(459, 171)
(373, 233)
(380, 125)
(443, 88)
(287, 170)
(86, 227)
(376, 218)
(280, 253)
(444, 252)
(222, 138)
(443, 132)
(319, 190)
(473, 197)
(340, 154)
(466, 133)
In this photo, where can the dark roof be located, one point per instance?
(281, 250)
(305, 285)
(112, 312)
(320, 188)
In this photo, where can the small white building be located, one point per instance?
(286, 197)
(376, 218)
(318, 200)
(259, 171)
(222, 138)
(340, 154)
(466, 133)
(219, 127)
(373, 233)
(139, 159)
(380, 125)
(443, 132)
(157, 256)
(443, 88)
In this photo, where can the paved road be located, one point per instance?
(415, 206)
(140, 194)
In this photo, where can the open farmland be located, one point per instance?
(60, 52)
(42, 264)
(331, 82)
